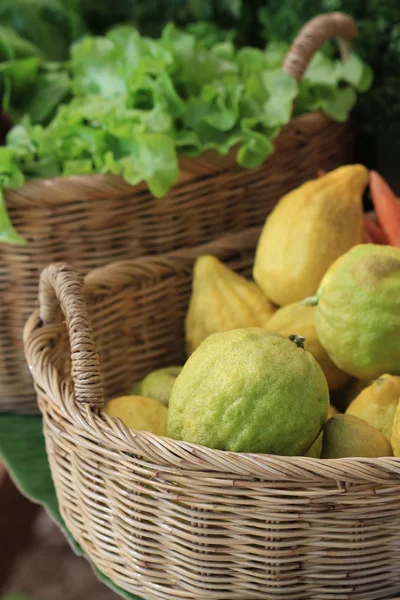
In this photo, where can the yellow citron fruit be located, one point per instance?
(222, 300)
(357, 314)
(142, 414)
(158, 384)
(316, 448)
(345, 435)
(307, 231)
(396, 431)
(377, 404)
(298, 318)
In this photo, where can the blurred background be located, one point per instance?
(39, 562)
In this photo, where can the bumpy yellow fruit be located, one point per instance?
(142, 414)
(222, 300)
(377, 404)
(345, 436)
(396, 432)
(299, 319)
(249, 390)
(307, 231)
(358, 311)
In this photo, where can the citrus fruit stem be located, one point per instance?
(298, 340)
(310, 301)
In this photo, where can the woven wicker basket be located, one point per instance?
(91, 221)
(174, 521)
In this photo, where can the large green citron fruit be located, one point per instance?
(250, 390)
(358, 311)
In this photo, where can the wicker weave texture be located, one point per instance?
(91, 221)
(173, 521)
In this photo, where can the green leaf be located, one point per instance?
(222, 99)
(209, 33)
(355, 72)
(211, 138)
(338, 104)
(167, 96)
(350, 70)
(187, 142)
(20, 77)
(128, 104)
(181, 44)
(152, 159)
(321, 71)
(275, 54)
(48, 24)
(10, 176)
(83, 166)
(282, 89)
(98, 68)
(251, 60)
(8, 234)
(14, 46)
(50, 90)
(366, 79)
(254, 150)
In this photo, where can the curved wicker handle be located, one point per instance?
(61, 288)
(313, 35)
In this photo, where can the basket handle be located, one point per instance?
(313, 35)
(61, 293)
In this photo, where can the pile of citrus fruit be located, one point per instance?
(305, 359)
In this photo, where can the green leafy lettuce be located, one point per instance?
(129, 105)
(45, 26)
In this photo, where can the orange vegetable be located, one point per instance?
(367, 239)
(387, 207)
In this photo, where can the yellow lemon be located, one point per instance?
(142, 414)
(346, 435)
(377, 404)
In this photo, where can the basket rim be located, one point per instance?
(188, 457)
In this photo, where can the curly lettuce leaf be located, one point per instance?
(330, 86)
(49, 25)
(129, 105)
(10, 176)
(14, 46)
(50, 90)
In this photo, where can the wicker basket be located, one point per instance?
(92, 221)
(174, 521)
